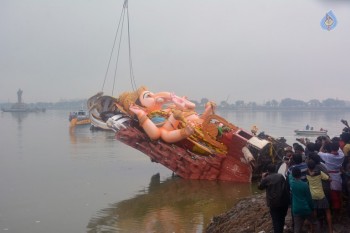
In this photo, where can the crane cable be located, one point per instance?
(132, 78)
(120, 27)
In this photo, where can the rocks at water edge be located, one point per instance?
(251, 215)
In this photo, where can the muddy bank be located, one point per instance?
(250, 215)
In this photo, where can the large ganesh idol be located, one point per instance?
(159, 114)
(169, 130)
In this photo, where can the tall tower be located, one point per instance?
(19, 96)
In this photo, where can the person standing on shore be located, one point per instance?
(297, 161)
(277, 196)
(333, 158)
(326, 184)
(314, 178)
(302, 205)
(345, 143)
(347, 186)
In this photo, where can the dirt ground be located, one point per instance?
(251, 215)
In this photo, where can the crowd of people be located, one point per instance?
(316, 182)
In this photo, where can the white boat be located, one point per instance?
(94, 114)
(310, 132)
(101, 108)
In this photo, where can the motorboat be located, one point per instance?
(311, 132)
(80, 117)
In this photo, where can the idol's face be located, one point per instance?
(154, 101)
(147, 99)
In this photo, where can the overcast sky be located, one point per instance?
(251, 50)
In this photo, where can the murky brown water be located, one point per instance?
(56, 180)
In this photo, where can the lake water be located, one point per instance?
(53, 179)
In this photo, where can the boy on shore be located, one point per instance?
(302, 205)
(314, 178)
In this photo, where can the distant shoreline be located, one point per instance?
(262, 108)
(78, 104)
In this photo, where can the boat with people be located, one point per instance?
(167, 128)
(80, 117)
(310, 131)
(321, 132)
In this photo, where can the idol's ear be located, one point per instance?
(138, 102)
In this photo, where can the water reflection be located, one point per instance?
(79, 134)
(175, 205)
(19, 116)
(83, 135)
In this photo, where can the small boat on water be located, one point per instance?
(311, 132)
(99, 111)
(80, 117)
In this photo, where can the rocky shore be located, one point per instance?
(250, 215)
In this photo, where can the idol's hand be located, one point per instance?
(136, 109)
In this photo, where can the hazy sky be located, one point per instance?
(252, 50)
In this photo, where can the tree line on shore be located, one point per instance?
(286, 103)
(283, 104)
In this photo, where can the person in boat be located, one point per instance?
(160, 114)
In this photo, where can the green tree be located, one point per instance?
(239, 103)
(224, 104)
(288, 102)
(314, 103)
(204, 101)
(333, 103)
